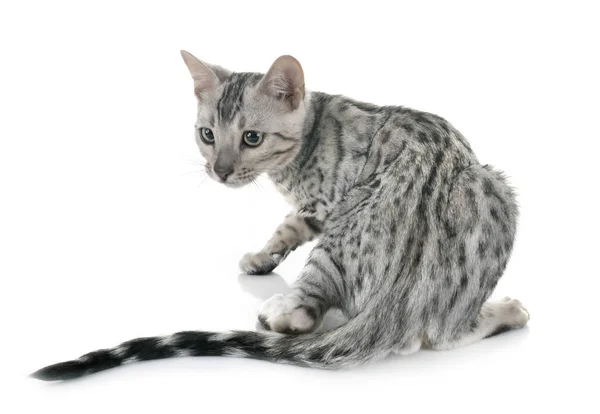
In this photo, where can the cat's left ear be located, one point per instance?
(206, 77)
(285, 81)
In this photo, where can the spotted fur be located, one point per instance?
(414, 233)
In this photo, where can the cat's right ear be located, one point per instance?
(285, 81)
(206, 77)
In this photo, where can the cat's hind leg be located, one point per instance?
(319, 288)
(495, 317)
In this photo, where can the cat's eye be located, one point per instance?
(207, 136)
(253, 138)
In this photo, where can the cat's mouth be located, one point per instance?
(235, 181)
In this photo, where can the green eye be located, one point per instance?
(253, 138)
(207, 136)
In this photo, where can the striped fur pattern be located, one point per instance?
(413, 231)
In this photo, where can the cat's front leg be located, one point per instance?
(293, 232)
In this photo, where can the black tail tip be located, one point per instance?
(61, 371)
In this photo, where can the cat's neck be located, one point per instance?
(316, 109)
(328, 119)
(334, 148)
(315, 106)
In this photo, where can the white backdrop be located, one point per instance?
(108, 231)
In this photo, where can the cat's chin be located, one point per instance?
(235, 184)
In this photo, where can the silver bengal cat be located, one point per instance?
(413, 231)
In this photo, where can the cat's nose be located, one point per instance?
(223, 171)
(224, 164)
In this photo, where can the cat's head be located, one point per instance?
(248, 123)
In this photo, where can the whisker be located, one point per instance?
(194, 172)
(198, 162)
(201, 182)
(289, 192)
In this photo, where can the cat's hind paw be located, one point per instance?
(287, 314)
(514, 313)
(259, 263)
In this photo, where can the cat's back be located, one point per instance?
(428, 133)
(365, 126)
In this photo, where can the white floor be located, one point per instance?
(109, 231)
(107, 269)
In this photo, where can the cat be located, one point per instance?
(413, 231)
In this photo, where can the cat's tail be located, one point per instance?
(350, 344)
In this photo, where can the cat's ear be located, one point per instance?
(206, 77)
(285, 81)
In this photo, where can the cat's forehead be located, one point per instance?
(231, 100)
(239, 103)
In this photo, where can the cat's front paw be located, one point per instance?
(259, 263)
